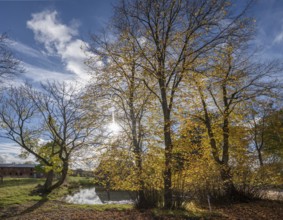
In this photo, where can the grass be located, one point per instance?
(17, 191)
(20, 182)
(104, 207)
(189, 211)
(80, 181)
(195, 211)
(16, 201)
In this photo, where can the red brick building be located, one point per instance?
(17, 170)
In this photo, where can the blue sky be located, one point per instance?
(47, 36)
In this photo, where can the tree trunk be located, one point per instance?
(108, 193)
(229, 188)
(142, 203)
(230, 191)
(48, 182)
(225, 132)
(260, 157)
(208, 126)
(168, 195)
(63, 176)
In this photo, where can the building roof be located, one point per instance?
(17, 165)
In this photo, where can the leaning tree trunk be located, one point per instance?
(63, 176)
(260, 157)
(48, 182)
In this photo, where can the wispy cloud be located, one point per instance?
(10, 153)
(37, 74)
(60, 40)
(279, 37)
(24, 49)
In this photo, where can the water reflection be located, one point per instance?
(92, 196)
(84, 196)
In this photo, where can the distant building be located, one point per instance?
(18, 170)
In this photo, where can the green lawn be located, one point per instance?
(17, 191)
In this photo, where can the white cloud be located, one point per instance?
(49, 31)
(10, 153)
(59, 40)
(279, 37)
(74, 55)
(24, 49)
(38, 74)
(35, 74)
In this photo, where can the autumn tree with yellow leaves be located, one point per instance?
(171, 36)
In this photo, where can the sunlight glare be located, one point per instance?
(114, 127)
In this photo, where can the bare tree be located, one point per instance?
(67, 121)
(18, 114)
(57, 115)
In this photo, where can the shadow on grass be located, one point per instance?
(35, 206)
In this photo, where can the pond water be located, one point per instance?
(272, 194)
(96, 195)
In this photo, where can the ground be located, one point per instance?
(45, 210)
(17, 203)
(270, 210)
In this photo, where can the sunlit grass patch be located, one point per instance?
(103, 207)
(193, 210)
(18, 191)
(190, 210)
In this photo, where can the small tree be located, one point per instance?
(18, 113)
(56, 114)
(67, 122)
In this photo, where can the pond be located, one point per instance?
(97, 195)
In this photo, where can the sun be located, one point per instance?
(114, 127)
